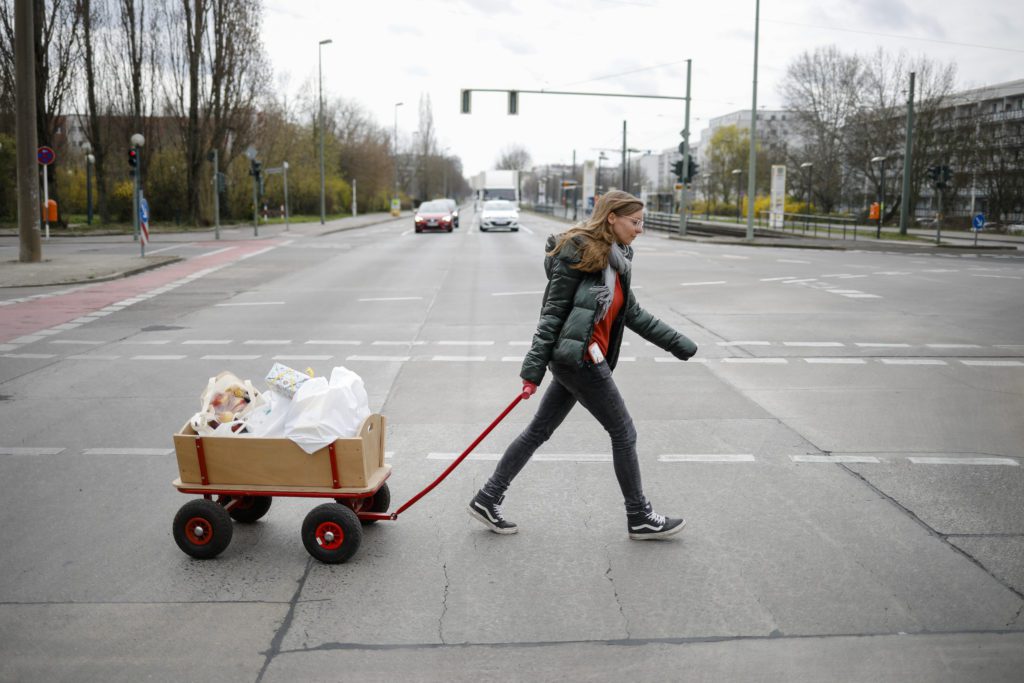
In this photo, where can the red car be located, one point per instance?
(434, 215)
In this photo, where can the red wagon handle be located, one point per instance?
(458, 460)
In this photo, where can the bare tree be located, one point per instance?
(515, 157)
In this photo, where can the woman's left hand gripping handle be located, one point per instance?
(529, 389)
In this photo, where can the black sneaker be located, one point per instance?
(649, 525)
(488, 512)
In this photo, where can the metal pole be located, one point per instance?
(320, 86)
(29, 245)
(255, 206)
(46, 200)
(881, 202)
(216, 195)
(938, 221)
(354, 197)
(752, 172)
(575, 186)
(907, 152)
(88, 190)
(624, 156)
(686, 155)
(285, 172)
(135, 198)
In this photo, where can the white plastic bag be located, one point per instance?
(266, 418)
(225, 403)
(323, 410)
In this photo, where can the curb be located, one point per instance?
(106, 278)
(356, 227)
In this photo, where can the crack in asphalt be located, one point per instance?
(444, 605)
(944, 538)
(282, 630)
(615, 591)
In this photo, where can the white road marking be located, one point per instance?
(669, 359)
(698, 284)
(733, 256)
(457, 359)
(511, 359)
(890, 272)
(300, 357)
(796, 282)
(397, 343)
(516, 293)
(573, 457)
(627, 359)
(834, 458)
(40, 356)
(127, 451)
(229, 357)
(334, 342)
(861, 295)
(399, 359)
(1003, 277)
(849, 277)
(74, 341)
(940, 270)
(150, 252)
(774, 279)
(394, 298)
(158, 357)
(790, 260)
(216, 251)
(913, 361)
(17, 450)
(526, 229)
(694, 457)
(253, 303)
(883, 345)
(812, 344)
(994, 363)
(150, 342)
(271, 342)
(836, 361)
(922, 460)
(465, 343)
(206, 342)
(744, 343)
(952, 346)
(775, 361)
(90, 356)
(843, 291)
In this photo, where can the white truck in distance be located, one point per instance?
(490, 185)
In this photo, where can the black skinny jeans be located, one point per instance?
(593, 387)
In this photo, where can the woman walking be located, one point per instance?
(587, 303)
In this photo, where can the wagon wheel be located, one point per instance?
(246, 509)
(380, 501)
(331, 533)
(202, 529)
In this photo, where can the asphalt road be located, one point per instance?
(846, 448)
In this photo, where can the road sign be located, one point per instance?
(569, 183)
(46, 155)
(978, 222)
(144, 220)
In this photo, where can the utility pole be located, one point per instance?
(686, 155)
(284, 171)
(908, 150)
(624, 156)
(320, 85)
(752, 172)
(216, 194)
(30, 244)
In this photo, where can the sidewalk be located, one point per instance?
(60, 268)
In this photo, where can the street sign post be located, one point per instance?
(977, 223)
(46, 156)
(143, 224)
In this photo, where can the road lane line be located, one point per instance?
(744, 343)
(394, 298)
(334, 342)
(921, 460)
(775, 279)
(90, 356)
(882, 345)
(834, 458)
(813, 344)
(511, 359)
(790, 260)
(399, 359)
(205, 342)
(397, 343)
(465, 343)
(994, 363)
(836, 361)
(266, 342)
(774, 361)
(301, 357)
(459, 359)
(127, 451)
(251, 303)
(913, 361)
(229, 357)
(516, 293)
(40, 356)
(952, 346)
(158, 357)
(700, 457)
(18, 450)
(698, 284)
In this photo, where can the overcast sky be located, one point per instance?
(391, 51)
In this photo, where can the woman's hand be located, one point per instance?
(529, 389)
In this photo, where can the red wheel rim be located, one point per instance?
(199, 531)
(329, 535)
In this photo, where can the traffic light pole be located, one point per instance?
(135, 196)
(216, 195)
(686, 156)
(907, 152)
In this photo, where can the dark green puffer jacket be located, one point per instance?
(569, 309)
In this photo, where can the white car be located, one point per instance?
(499, 213)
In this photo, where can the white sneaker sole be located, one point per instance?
(487, 523)
(656, 536)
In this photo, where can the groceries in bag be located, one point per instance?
(224, 405)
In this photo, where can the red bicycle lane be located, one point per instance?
(29, 317)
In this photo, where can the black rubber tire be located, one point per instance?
(248, 509)
(515, 229)
(378, 502)
(214, 523)
(338, 520)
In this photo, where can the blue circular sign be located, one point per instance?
(144, 211)
(979, 221)
(45, 155)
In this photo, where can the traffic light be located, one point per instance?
(466, 100)
(691, 172)
(677, 169)
(133, 157)
(513, 102)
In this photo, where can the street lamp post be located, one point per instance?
(394, 144)
(739, 178)
(707, 200)
(89, 161)
(137, 140)
(320, 81)
(810, 169)
(881, 194)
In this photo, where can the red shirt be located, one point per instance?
(603, 329)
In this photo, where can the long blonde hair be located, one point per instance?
(594, 251)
